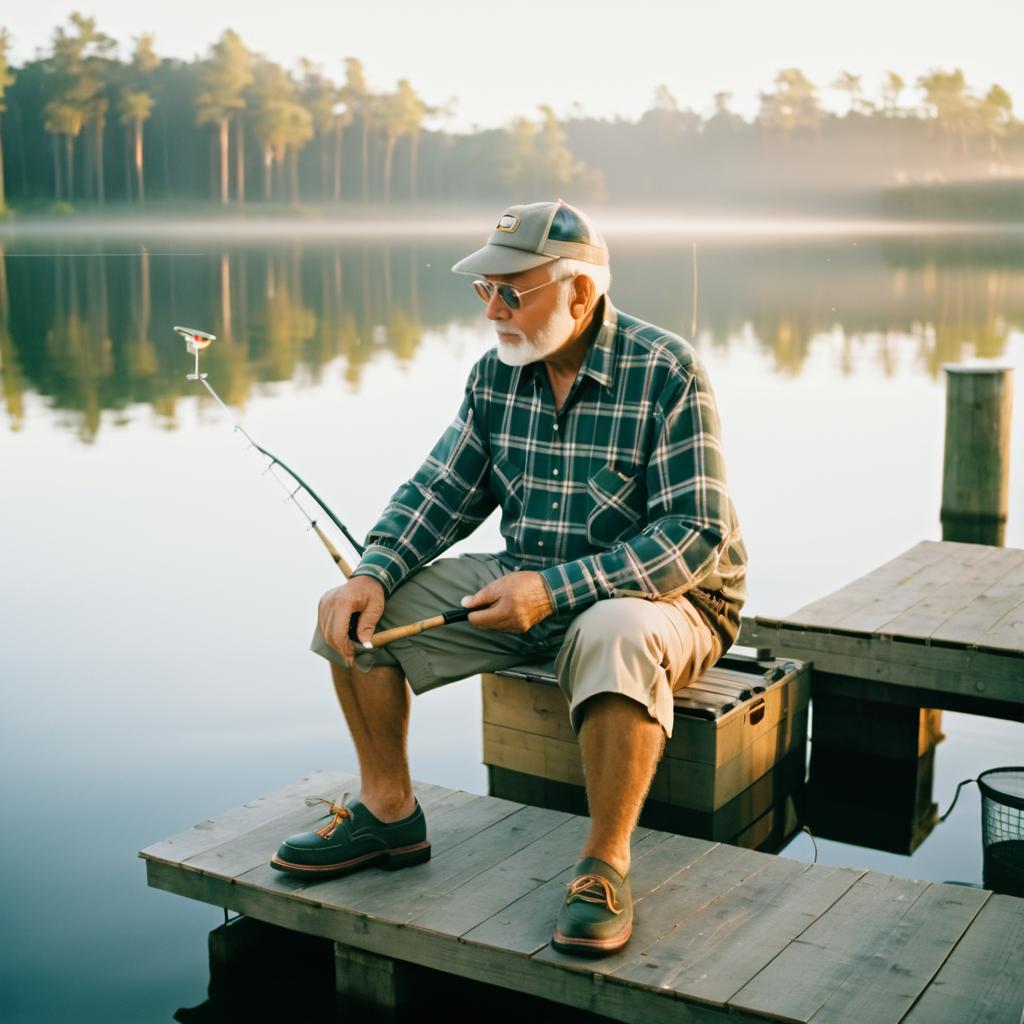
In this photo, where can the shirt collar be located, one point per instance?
(599, 362)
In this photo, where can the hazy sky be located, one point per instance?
(501, 60)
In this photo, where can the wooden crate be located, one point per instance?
(753, 713)
(780, 788)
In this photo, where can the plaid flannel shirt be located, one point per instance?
(621, 492)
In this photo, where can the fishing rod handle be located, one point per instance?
(386, 636)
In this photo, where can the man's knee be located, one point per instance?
(364, 660)
(617, 623)
(618, 649)
(371, 673)
(610, 703)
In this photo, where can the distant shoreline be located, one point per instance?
(615, 222)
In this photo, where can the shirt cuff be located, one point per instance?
(574, 586)
(384, 565)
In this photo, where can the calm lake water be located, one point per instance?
(159, 593)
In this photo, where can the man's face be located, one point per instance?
(541, 326)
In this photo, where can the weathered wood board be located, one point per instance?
(719, 929)
(944, 620)
(938, 591)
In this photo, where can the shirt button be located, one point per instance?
(554, 504)
(540, 543)
(554, 472)
(555, 427)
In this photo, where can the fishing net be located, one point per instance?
(1002, 829)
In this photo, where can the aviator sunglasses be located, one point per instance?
(512, 297)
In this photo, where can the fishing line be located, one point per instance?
(196, 341)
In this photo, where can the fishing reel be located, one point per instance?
(195, 342)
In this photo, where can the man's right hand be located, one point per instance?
(362, 595)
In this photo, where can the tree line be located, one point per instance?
(80, 125)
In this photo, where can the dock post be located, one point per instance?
(976, 477)
(372, 982)
(248, 959)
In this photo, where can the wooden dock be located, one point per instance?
(940, 626)
(721, 932)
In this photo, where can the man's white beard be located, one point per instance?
(551, 335)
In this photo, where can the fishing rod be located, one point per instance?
(196, 341)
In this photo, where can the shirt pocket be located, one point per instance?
(507, 485)
(616, 506)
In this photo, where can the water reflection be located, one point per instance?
(88, 325)
(10, 368)
(871, 801)
(146, 718)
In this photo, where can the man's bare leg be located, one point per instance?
(617, 786)
(376, 708)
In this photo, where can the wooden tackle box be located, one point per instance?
(725, 767)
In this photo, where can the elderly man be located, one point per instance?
(597, 434)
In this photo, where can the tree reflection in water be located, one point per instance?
(87, 325)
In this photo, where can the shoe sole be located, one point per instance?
(399, 857)
(591, 947)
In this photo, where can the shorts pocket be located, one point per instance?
(616, 506)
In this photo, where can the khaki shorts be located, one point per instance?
(643, 649)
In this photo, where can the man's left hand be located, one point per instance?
(515, 603)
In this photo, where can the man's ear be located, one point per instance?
(582, 296)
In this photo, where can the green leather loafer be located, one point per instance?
(350, 838)
(597, 915)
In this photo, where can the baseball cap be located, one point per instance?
(530, 234)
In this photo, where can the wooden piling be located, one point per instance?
(368, 981)
(976, 471)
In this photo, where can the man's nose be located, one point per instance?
(496, 308)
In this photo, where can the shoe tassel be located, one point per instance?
(339, 810)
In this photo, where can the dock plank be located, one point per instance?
(255, 847)
(711, 955)
(981, 980)
(885, 984)
(657, 912)
(239, 820)
(464, 819)
(685, 888)
(876, 616)
(869, 588)
(366, 893)
(926, 618)
(491, 891)
(971, 625)
(444, 873)
(1008, 631)
(525, 926)
(798, 982)
(262, 876)
(944, 618)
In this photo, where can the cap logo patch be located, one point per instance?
(508, 222)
